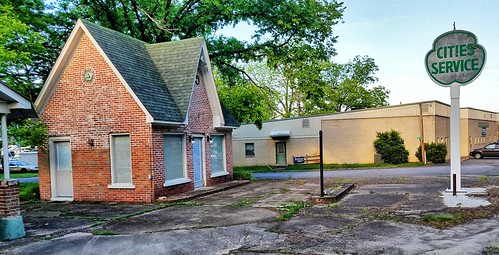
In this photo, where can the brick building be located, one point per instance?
(130, 121)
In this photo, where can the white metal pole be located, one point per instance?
(5, 143)
(455, 137)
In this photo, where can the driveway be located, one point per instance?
(378, 217)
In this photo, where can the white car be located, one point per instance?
(21, 166)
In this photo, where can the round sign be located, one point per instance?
(456, 57)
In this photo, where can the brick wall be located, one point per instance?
(9, 199)
(95, 110)
(200, 123)
(84, 111)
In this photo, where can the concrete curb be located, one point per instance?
(202, 192)
(335, 196)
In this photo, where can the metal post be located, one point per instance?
(454, 190)
(421, 127)
(455, 137)
(321, 163)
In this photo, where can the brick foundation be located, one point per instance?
(11, 222)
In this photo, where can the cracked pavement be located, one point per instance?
(372, 219)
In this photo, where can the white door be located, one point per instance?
(62, 170)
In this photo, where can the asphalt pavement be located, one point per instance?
(380, 216)
(471, 167)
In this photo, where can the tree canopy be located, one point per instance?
(290, 51)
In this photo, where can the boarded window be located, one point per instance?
(174, 157)
(217, 154)
(121, 163)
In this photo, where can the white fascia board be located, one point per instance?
(58, 68)
(211, 89)
(20, 101)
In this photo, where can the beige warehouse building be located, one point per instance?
(349, 136)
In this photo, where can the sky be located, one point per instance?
(397, 34)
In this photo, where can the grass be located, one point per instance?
(245, 203)
(20, 175)
(439, 218)
(291, 210)
(247, 170)
(29, 192)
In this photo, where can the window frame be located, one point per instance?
(224, 158)
(184, 179)
(246, 150)
(120, 185)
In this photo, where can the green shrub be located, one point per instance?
(29, 191)
(391, 147)
(435, 152)
(243, 175)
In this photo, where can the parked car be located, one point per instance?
(490, 150)
(20, 166)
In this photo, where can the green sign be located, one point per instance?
(456, 57)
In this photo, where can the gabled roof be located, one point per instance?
(159, 76)
(177, 63)
(131, 59)
(14, 104)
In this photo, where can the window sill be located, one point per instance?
(177, 182)
(121, 186)
(219, 174)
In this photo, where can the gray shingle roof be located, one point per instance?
(161, 75)
(177, 63)
(132, 60)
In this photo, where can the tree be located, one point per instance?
(245, 102)
(29, 43)
(28, 133)
(347, 86)
(391, 147)
(280, 26)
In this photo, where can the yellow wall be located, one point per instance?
(349, 136)
(351, 140)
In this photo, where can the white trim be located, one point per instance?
(111, 149)
(177, 182)
(219, 174)
(211, 90)
(21, 102)
(65, 56)
(121, 186)
(62, 199)
(168, 123)
(52, 168)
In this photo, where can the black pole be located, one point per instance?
(321, 163)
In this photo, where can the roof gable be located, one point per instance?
(131, 59)
(158, 76)
(177, 63)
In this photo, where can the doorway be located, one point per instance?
(61, 170)
(197, 158)
(280, 153)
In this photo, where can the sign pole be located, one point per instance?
(455, 138)
(456, 59)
